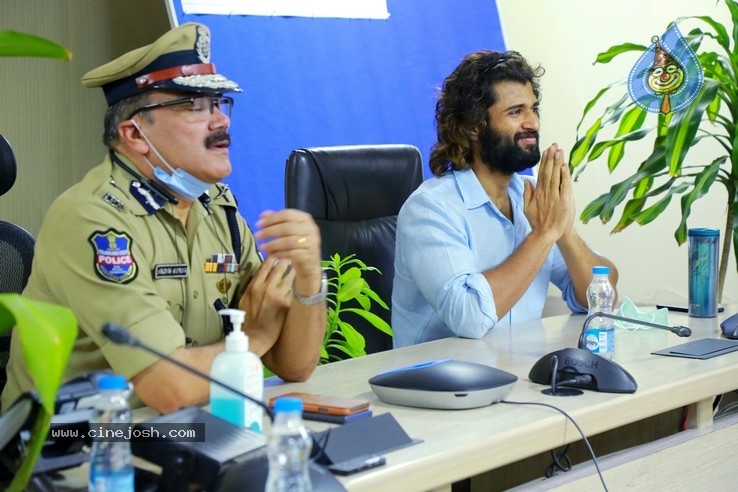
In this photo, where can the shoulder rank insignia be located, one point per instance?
(143, 195)
(113, 260)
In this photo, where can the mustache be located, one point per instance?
(519, 136)
(217, 137)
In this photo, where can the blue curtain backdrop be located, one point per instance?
(315, 81)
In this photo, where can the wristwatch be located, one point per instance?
(316, 298)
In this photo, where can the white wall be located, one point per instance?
(565, 36)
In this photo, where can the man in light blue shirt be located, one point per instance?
(478, 244)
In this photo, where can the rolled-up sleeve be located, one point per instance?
(441, 263)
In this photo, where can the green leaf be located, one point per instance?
(655, 210)
(364, 301)
(351, 289)
(47, 333)
(581, 147)
(683, 127)
(353, 338)
(612, 52)
(350, 274)
(642, 187)
(702, 183)
(594, 100)
(613, 112)
(374, 297)
(14, 43)
(631, 121)
(598, 149)
(617, 194)
(372, 318)
(594, 208)
(733, 8)
(721, 33)
(631, 209)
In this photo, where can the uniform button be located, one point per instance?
(195, 294)
(508, 227)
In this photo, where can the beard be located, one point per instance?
(507, 156)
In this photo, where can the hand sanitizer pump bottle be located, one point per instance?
(241, 369)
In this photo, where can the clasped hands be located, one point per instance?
(549, 204)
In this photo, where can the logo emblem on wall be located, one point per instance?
(113, 260)
(667, 76)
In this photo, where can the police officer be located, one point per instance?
(151, 240)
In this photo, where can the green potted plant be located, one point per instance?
(673, 168)
(348, 292)
(47, 333)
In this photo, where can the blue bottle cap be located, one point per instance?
(703, 232)
(288, 404)
(112, 382)
(601, 270)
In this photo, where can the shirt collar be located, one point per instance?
(473, 194)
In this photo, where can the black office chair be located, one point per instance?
(354, 193)
(16, 250)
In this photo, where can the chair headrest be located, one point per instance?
(7, 166)
(354, 182)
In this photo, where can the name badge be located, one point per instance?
(171, 270)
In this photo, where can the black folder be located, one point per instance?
(705, 348)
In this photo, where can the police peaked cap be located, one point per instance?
(178, 60)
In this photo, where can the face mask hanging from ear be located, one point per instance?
(179, 181)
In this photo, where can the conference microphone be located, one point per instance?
(119, 335)
(681, 331)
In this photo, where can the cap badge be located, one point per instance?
(202, 44)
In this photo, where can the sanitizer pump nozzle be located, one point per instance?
(236, 316)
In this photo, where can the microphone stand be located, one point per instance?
(681, 331)
(118, 334)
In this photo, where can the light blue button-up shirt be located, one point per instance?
(448, 232)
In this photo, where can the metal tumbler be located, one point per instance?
(703, 272)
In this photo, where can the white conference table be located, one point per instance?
(462, 443)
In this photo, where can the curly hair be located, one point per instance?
(466, 96)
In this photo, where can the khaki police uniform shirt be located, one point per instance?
(113, 252)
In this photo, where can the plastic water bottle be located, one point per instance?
(241, 369)
(600, 333)
(288, 449)
(111, 466)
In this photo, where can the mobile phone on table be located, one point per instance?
(336, 419)
(327, 404)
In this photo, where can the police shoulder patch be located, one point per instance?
(113, 260)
